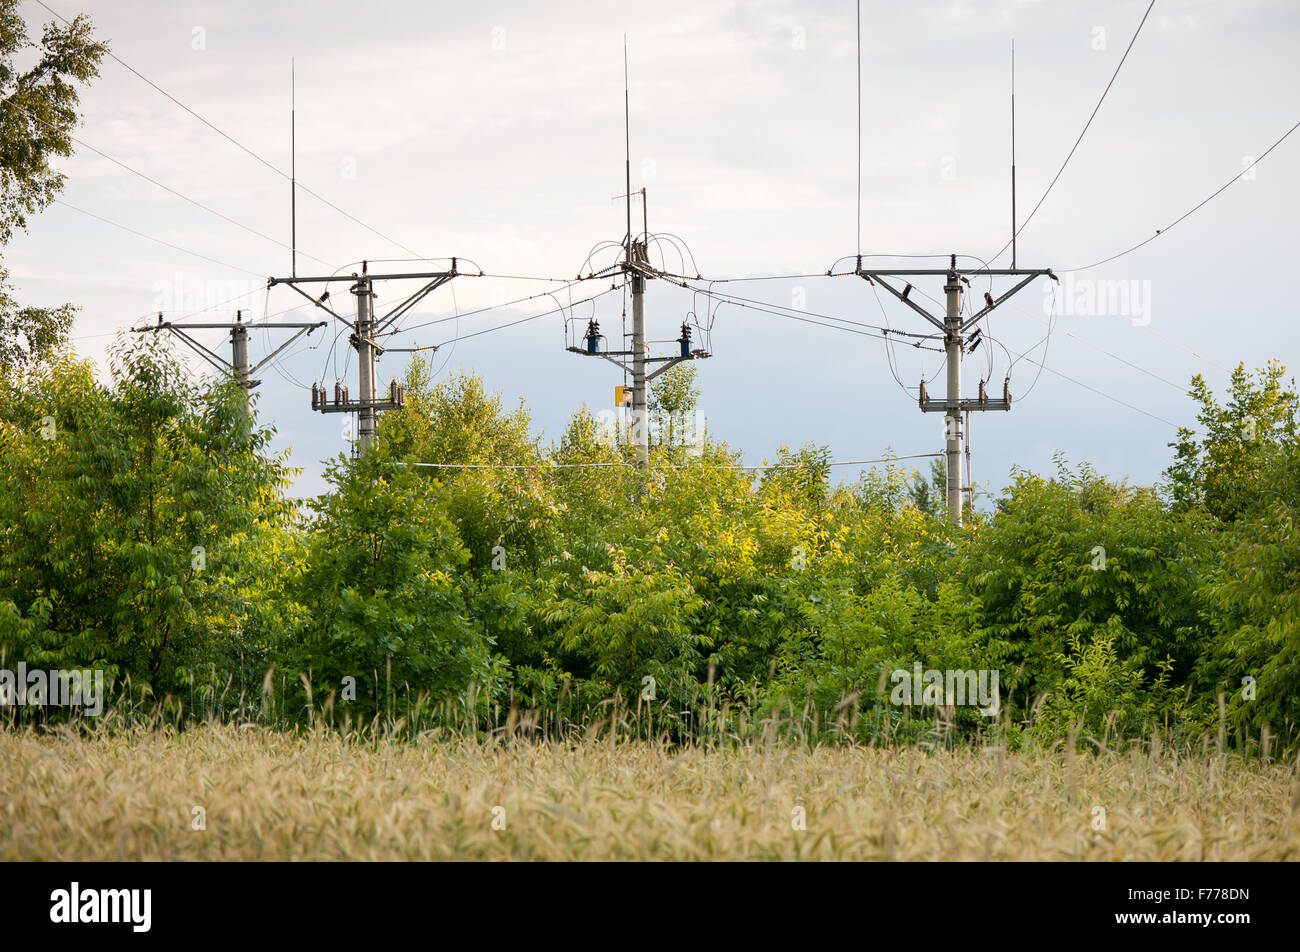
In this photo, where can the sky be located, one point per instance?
(494, 132)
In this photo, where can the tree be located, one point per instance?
(1218, 468)
(384, 582)
(673, 399)
(131, 513)
(457, 421)
(38, 111)
(931, 497)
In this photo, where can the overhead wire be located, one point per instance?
(1108, 353)
(1187, 214)
(1025, 224)
(161, 241)
(167, 188)
(231, 139)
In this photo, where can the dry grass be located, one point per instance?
(278, 796)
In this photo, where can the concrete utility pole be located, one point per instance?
(640, 403)
(952, 430)
(956, 341)
(636, 267)
(366, 329)
(239, 357)
(238, 366)
(363, 341)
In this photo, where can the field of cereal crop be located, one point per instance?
(263, 795)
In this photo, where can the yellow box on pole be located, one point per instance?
(622, 396)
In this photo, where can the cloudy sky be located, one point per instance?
(494, 132)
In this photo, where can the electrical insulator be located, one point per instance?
(685, 340)
(906, 291)
(315, 396)
(1006, 391)
(593, 335)
(925, 396)
(338, 393)
(984, 395)
(988, 299)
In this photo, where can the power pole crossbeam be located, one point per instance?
(304, 329)
(202, 351)
(667, 363)
(238, 365)
(1003, 297)
(396, 313)
(902, 296)
(318, 302)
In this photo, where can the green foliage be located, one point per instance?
(1217, 470)
(131, 511)
(1077, 554)
(38, 111)
(673, 399)
(383, 581)
(931, 496)
(521, 581)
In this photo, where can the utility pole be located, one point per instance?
(366, 329)
(637, 269)
(956, 342)
(364, 343)
(238, 366)
(640, 404)
(952, 430)
(239, 357)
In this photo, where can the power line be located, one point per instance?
(231, 139)
(1160, 231)
(165, 188)
(1188, 349)
(1086, 125)
(525, 320)
(594, 465)
(481, 310)
(1154, 376)
(140, 234)
(808, 320)
(795, 313)
(1045, 343)
(1101, 393)
(756, 277)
